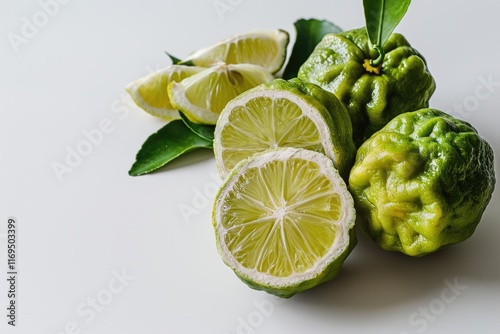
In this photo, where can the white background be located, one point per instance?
(78, 233)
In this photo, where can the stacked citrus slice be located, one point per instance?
(150, 92)
(201, 85)
(265, 48)
(202, 96)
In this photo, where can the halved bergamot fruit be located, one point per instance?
(283, 113)
(284, 221)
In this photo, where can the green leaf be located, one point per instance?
(309, 34)
(178, 61)
(382, 17)
(168, 143)
(174, 59)
(202, 130)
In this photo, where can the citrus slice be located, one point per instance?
(284, 114)
(284, 221)
(202, 97)
(150, 92)
(266, 48)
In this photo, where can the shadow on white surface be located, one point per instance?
(372, 279)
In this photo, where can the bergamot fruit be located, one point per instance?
(283, 113)
(422, 182)
(373, 96)
(284, 221)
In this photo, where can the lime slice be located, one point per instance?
(150, 92)
(266, 48)
(284, 114)
(284, 221)
(202, 97)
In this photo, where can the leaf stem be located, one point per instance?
(380, 59)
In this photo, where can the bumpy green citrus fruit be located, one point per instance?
(373, 96)
(422, 182)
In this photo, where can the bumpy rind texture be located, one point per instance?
(372, 100)
(422, 182)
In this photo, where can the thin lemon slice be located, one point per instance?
(202, 97)
(284, 221)
(150, 92)
(284, 114)
(266, 48)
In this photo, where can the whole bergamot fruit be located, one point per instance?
(422, 182)
(372, 95)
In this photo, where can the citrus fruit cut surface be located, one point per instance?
(266, 48)
(202, 97)
(284, 114)
(150, 92)
(284, 220)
